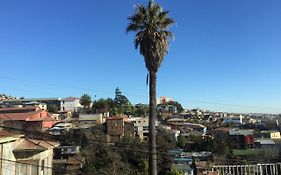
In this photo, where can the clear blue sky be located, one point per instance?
(226, 52)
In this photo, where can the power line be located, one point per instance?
(94, 140)
(119, 149)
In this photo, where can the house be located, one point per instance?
(85, 120)
(176, 121)
(20, 155)
(270, 124)
(180, 124)
(241, 138)
(70, 104)
(115, 128)
(118, 127)
(234, 119)
(141, 127)
(49, 101)
(270, 134)
(36, 104)
(60, 128)
(220, 132)
(166, 108)
(34, 119)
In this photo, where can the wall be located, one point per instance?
(275, 135)
(70, 105)
(141, 127)
(7, 167)
(115, 127)
(16, 167)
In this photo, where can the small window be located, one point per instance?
(42, 165)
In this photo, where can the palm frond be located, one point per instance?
(152, 37)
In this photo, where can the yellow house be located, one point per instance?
(271, 134)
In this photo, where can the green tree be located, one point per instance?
(102, 105)
(141, 110)
(151, 25)
(52, 108)
(122, 103)
(176, 104)
(173, 171)
(85, 100)
(182, 141)
(120, 99)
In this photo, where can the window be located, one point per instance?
(42, 166)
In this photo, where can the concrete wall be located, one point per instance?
(70, 105)
(7, 167)
(11, 166)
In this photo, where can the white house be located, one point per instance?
(141, 126)
(70, 104)
(237, 119)
(60, 128)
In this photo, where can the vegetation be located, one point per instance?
(85, 100)
(127, 156)
(102, 105)
(174, 172)
(119, 105)
(176, 104)
(152, 38)
(195, 143)
(52, 108)
(141, 110)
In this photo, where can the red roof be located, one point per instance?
(27, 116)
(40, 119)
(14, 116)
(28, 144)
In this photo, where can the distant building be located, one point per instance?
(141, 127)
(114, 128)
(33, 119)
(233, 119)
(181, 124)
(270, 134)
(220, 132)
(163, 100)
(23, 156)
(164, 108)
(241, 138)
(70, 104)
(90, 119)
(60, 128)
(48, 101)
(118, 127)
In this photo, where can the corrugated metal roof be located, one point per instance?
(265, 141)
(244, 132)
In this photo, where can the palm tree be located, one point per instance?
(85, 100)
(151, 25)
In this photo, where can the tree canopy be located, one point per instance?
(85, 100)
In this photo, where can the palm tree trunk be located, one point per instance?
(152, 124)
